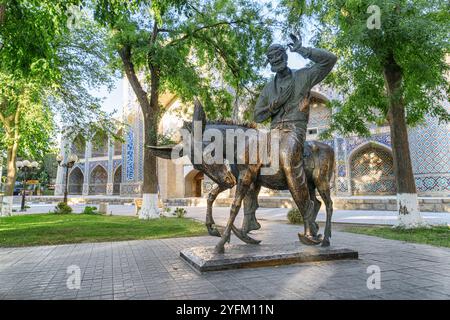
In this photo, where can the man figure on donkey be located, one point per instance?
(285, 100)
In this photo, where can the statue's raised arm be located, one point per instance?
(324, 61)
(285, 100)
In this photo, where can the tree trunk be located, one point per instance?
(150, 190)
(408, 209)
(150, 110)
(11, 176)
(2, 13)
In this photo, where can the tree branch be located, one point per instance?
(155, 32)
(224, 56)
(141, 94)
(215, 25)
(2, 13)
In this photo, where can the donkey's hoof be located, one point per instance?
(213, 231)
(309, 240)
(325, 243)
(255, 225)
(219, 249)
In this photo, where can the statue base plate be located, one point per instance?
(204, 259)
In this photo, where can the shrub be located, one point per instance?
(167, 210)
(180, 212)
(90, 210)
(294, 216)
(62, 208)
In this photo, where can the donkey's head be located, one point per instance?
(220, 173)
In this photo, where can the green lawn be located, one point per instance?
(48, 229)
(436, 236)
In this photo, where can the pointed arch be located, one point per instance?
(76, 179)
(193, 182)
(99, 145)
(78, 146)
(117, 180)
(98, 180)
(371, 170)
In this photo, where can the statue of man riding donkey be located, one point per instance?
(302, 168)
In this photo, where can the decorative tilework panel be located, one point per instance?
(140, 145)
(372, 172)
(116, 164)
(433, 183)
(81, 166)
(353, 142)
(342, 185)
(319, 115)
(130, 156)
(430, 148)
(94, 164)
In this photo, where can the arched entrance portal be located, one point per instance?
(76, 179)
(193, 184)
(98, 181)
(372, 171)
(117, 180)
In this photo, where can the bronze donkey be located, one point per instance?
(319, 167)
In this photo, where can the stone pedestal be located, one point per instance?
(203, 259)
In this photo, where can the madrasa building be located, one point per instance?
(363, 179)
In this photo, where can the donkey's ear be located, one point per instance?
(199, 114)
(164, 152)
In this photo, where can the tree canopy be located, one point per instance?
(414, 33)
(46, 68)
(200, 48)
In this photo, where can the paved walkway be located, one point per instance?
(153, 270)
(272, 214)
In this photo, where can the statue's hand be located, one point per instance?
(296, 43)
(282, 98)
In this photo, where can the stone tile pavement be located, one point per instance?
(153, 270)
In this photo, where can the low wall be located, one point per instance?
(114, 200)
(344, 203)
(426, 204)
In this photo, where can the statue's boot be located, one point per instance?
(311, 238)
(250, 223)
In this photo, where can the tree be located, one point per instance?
(40, 77)
(189, 48)
(391, 68)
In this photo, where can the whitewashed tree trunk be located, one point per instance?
(7, 204)
(408, 211)
(149, 209)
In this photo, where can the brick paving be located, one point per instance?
(152, 269)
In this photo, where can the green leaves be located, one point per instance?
(415, 33)
(200, 48)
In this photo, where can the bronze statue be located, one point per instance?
(319, 168)
(286, 101)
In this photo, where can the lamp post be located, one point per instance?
(68, 165)
(26, 167)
